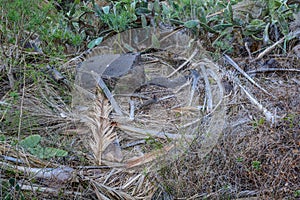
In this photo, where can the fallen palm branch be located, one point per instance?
(99, 123)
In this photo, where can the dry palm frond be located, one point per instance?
(102, 131)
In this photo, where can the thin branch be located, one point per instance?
(272, 70)
(207, 89)
(195, 77)
(269, 49)
(185, 63)
(108, 94)
(235, 65)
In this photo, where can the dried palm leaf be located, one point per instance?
(102, 131)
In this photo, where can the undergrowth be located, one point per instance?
(38, 33)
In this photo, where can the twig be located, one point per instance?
(231, 62)
(248, 50)
(131, 105)
(269, 116)
(207, 89)
(22, 102)
(60, 174)
(134, 143)
(109, 96)
(12, 159)
(195, 77)
(272, 70)
(269, 49)
(44, 190)
(185, 63)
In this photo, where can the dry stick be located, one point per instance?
(185, 63)
(12, 159)
(207, 88)
(170, 34)
(131, 115)
(48, 190)
(248, 50)
(269, 49)
(217, 79)
(195, 77)
(272, 70)
(228, 59)
(108, 94)
(269, 116)
(130, 181)
(60, 174)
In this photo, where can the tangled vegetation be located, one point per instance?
(42, 43)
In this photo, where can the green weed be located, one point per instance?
(256, 165)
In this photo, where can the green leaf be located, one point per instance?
(202, 17)
(95, 42)
(156, 6)
(36, 151)
(144, 21)
(165, 9)
(230, 13)
(106, 9)
(155, 42)
(2, 138)
(12, 182)
(206, 27)
(61, 153)
(142, 10)
(47, 152)
(220, 27)
(191, 24)
(31, 141)
(128, 47)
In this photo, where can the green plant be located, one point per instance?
(256, 165)
(258, 123)
(11, 190)
(240, 159)
(290, 118)
(119, 17)
(153, 143)
(297, 193)
(31, 144)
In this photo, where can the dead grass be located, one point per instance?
(250, 157)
